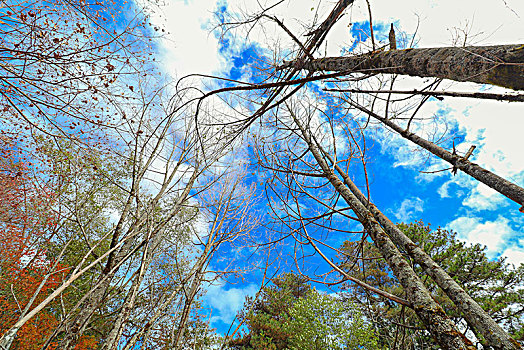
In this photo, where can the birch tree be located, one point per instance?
(120, 208)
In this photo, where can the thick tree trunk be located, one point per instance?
(497, 338)
(471, 310)
(430, 313)
(501, 65)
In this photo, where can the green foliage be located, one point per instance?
(290, 315)
(267, 315)
(494, 284)
(320, 321)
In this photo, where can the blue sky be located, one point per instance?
(478, 214)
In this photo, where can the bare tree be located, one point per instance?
(312, 137)
(66, 68)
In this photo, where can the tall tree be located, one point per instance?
(289, 314)
(266, 315)
(492, 283)
(320, 142)
(320, 321)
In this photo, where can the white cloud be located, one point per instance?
(495, 128)
(443, 190)
(227, 302)
(493, 234)
(409, 209)
(441, 20)
(484, 198)
(189, 47)
(515, 255)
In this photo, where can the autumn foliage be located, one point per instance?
(27, 276)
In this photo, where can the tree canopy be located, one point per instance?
(128, 190)
(289, 314)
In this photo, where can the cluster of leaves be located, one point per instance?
(494, 284)
(291, 315)
(321, 321)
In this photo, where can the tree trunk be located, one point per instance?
(497, 338)
(499, 184)
(190, 297)
(75, 327)
(111, 342)
(430, 313)
(144, 331)
(501, 65)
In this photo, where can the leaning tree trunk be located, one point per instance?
(428, 310)
(188, 303)
(501, 65)
(499, 184)
(482, 323)
(76, 326)
(111, 342)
